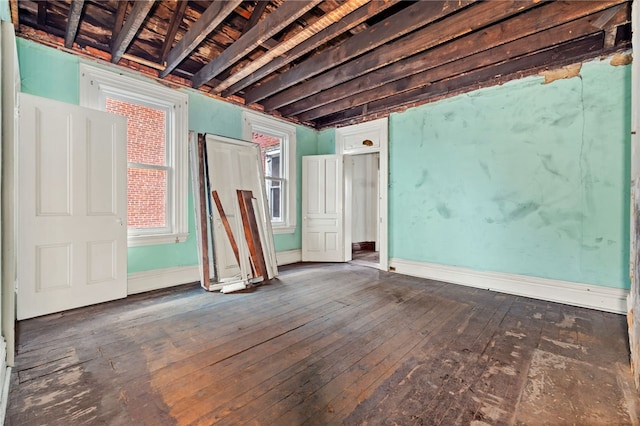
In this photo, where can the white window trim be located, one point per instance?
(253, 122)
(95, 81)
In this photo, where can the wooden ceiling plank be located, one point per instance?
(326, 20)
(447, 29)
(73, 22)
(131, 26)
(42, 13)
(409, 19)
(277, 20)
(174, 25)
(210, 19)
(539, 19)
(509, 69)
(258, 11)
(347, 23)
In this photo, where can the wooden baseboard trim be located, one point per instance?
(606, 299)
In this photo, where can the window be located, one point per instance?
(277, 142)
(156, 151)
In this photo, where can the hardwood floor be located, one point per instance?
(325, 344)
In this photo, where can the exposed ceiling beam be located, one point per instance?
(15, 18)
(176, 18)
(478, 50)
(131, 26)
(209, 20)
(42, 13)
(415, 16)
(258, 10)
(75, 10)
(348, 22)
(277, 20)
(120, 14)
(539, 19)
(326, 20)
(512, 68)
(445, 30)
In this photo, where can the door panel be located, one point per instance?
(232, 165)
(322, 212)
(72, 235)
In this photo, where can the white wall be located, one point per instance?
(365, 197)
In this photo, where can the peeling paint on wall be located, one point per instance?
(620, 59)
(568, 71)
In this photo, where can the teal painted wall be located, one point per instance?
(327, 142)
(48, 72)
(524, 178)
(5, 12)
(53, 74)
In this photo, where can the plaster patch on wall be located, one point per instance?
(621, 59)
(568, 71)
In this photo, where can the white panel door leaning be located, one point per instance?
(322, 209)
(72, 207)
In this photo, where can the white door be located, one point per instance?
(72, 207)
(233, 164)
(322, 209)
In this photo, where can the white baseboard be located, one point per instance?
(288, 257)
(606, 299)
(139, 282)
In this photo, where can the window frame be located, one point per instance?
(95, 85)
(257, 123)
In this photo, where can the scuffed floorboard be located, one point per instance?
(323, 345)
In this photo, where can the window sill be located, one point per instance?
(283, 229)
(150, 240)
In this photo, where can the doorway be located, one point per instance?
(363, 177)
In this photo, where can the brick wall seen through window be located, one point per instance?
(146, 148)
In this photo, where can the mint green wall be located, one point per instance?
(53, 74)
(48, 72)
(523, 178)
(5, 12)
(327, 142)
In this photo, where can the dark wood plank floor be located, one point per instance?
(325, 344)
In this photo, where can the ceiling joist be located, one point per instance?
(328, 19)
(439, 32)
(415, 16)
(542, 18)
(264, 30)
(173, 29)
(75, 10)
(210, 20)
(131, 26)
(433, 71)
(512, 68)
(345, 24)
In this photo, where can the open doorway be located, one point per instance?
(364, 171)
